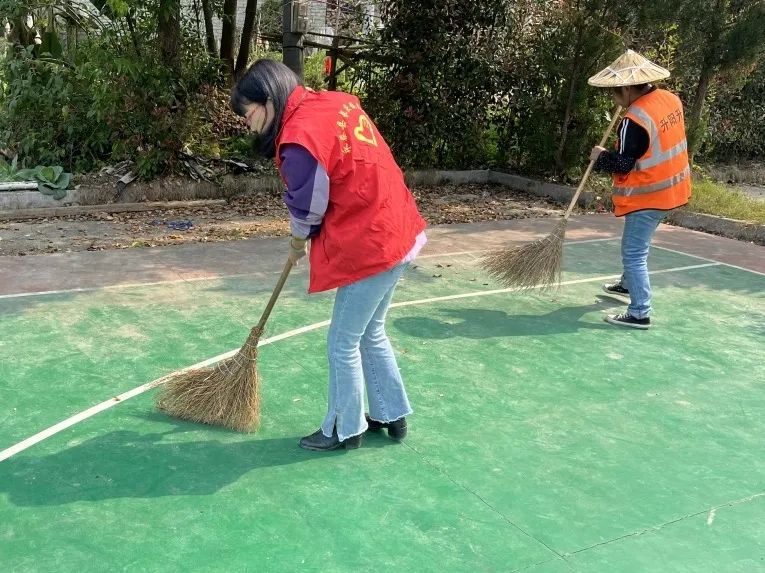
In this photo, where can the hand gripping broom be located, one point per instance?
(227, 394)
(538, 263)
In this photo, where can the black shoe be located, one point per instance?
(396, 430)
(616, 288)
(629, 321)
(321, 443)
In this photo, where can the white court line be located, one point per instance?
(120, 286)
(40, 436)
(84, 415)
(220, 277)
(579, 242)
(564, 283)
(709, 260)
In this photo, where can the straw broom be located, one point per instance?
(538, 263)
(227, 394)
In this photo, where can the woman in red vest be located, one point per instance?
(347, 197)
(650, 172)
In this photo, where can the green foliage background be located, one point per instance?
(451, 83)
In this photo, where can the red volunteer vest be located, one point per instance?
(661, 178)
(371, 221)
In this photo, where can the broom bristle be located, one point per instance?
(536, 264)
(227, 394)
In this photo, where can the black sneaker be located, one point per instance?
(629, 321)
(616, 288)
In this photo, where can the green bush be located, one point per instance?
(736, 120)
(490, 84)
(430, 80)
(102, 104)
(453, 84)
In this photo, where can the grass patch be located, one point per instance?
(723, 201)
(749, 173)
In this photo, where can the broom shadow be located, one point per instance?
(131, 464)
(478, 323)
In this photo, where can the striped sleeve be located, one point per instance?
(307, 193)
(632, 143)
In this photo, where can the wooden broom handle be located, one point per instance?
(592, 163)
(274, 296)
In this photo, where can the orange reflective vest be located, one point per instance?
(661, 178)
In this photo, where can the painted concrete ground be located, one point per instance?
(544, 440)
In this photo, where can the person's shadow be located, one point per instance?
(481, 323)
(128, 464)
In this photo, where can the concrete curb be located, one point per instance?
(558, 193)
(433, 177)
(731, 228)
(75, 210)
(35, 204)
(11, 201)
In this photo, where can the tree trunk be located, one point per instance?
(20, 34)
(250, 16)
(207, 12)
(694, 127)
(169, 31)
(560, 163)
(227, 36)
(131, 26)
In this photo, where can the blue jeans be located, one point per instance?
(359, 352)
(639, 228)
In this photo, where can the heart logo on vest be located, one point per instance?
(364, 127)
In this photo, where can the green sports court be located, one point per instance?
(544, 440)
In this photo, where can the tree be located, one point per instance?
(250, 16)
(717, 38)
(227, 37)
(584, 44)
(207, 13)
(431, 77)
(271, 17)
(235, 66)
(736, 130)
(169, 34)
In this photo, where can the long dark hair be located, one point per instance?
(264, 80)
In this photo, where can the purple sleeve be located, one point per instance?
(307, 192)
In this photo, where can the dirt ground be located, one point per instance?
(261, 214)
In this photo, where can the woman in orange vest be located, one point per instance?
(650, 172)
(347, 197)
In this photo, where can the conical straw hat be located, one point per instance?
(629, 69)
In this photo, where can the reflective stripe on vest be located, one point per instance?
(661, 185)
(657, 155)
